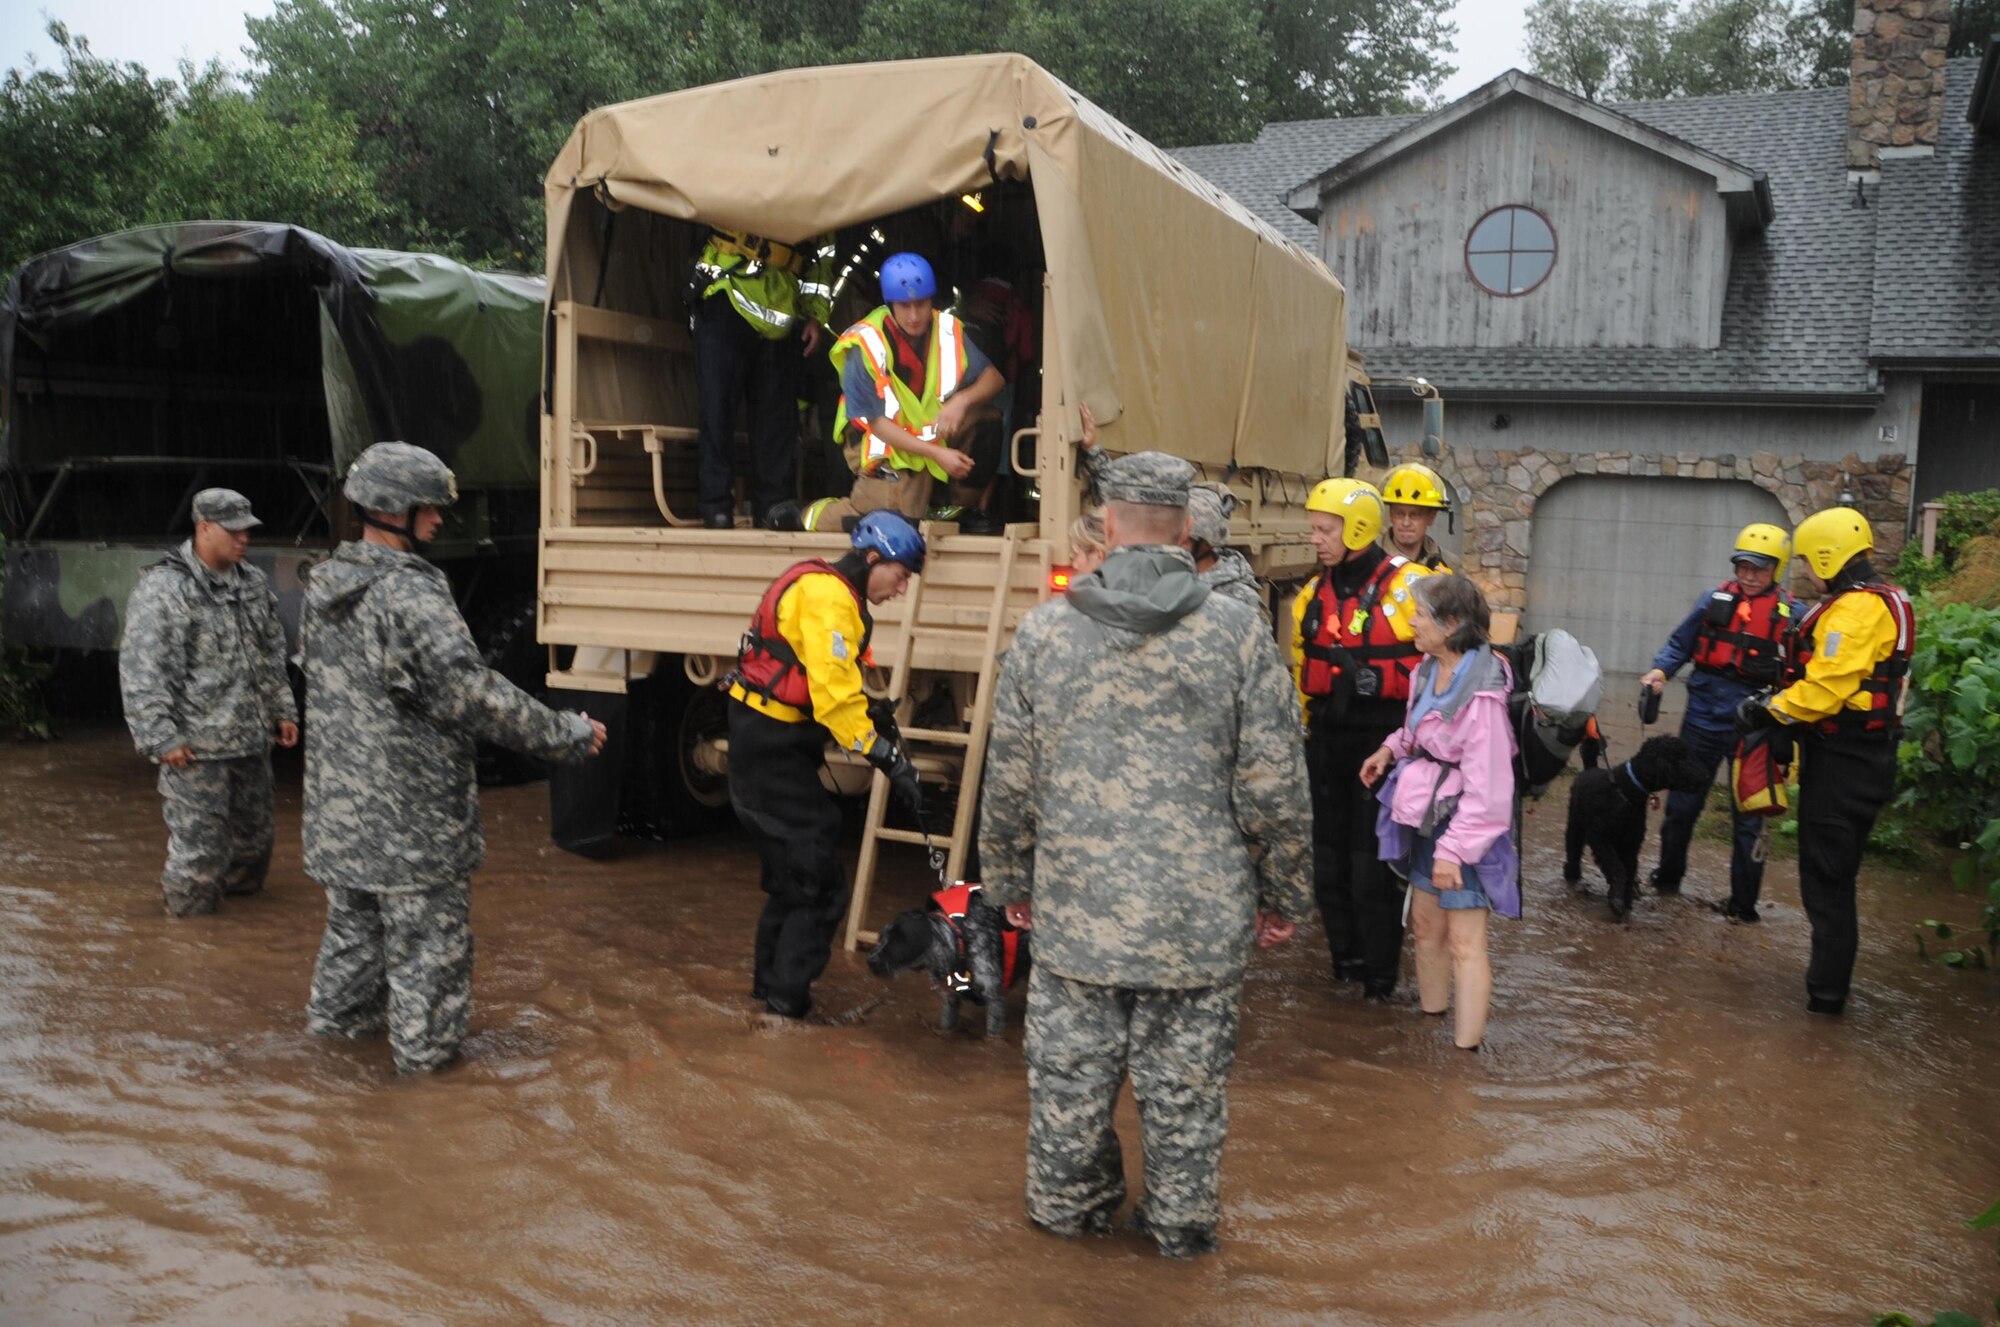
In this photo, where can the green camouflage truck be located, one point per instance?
(139, 367)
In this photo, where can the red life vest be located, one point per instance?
(953, 903)
(1328, 629)
(766, 663)
(1884, 686)
(1743, 635)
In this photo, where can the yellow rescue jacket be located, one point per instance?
(772, 285)
(819, 618)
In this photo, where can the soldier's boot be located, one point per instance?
(1177, 1241)
(184, 899)
(1099, 1221)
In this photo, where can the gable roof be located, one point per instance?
(1745, 193)
(1797, 321)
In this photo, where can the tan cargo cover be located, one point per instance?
(1179, 314)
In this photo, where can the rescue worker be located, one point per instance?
(1220, 567)
(1736, 637)
(202, 672)
(1415, 496)
(397, 698)
(1842, 705)
(912, 387)
(798, 683)
(1353, 650)
(1152, 827)
(761, 307)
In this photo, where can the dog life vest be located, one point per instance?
(1742, 634)
(1883, 686)
(953, 903)
(1334, 624)
(766, 663)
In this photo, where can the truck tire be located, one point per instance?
(504, 631)
(666, 793)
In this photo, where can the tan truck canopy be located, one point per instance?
(1178, 314)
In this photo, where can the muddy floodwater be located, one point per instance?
(1659, 1133)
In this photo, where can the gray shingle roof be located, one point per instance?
(1796, 317)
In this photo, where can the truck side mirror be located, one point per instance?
(1433, 427)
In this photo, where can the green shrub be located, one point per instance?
(1965, 517)
(1948, 767)
(23, 713)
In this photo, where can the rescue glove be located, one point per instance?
(1752, 714)
(904, 789)
(882, 714)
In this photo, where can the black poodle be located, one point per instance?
(967, 946)
(1607, 810)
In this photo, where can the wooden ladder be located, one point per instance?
(973, 741)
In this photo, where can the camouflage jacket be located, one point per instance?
(202, 663)
(396, 698)
(1145, 781)
(1231, 576)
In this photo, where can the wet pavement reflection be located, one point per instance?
(1658, 1134)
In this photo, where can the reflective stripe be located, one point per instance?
(874, 346)
(874, 451)
(816, 289)
(751, 309)
(948, 355)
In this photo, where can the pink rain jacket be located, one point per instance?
(1479, 739)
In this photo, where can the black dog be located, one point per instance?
(966, 945)
(1607, 810)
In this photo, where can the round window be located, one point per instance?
(1510, 251)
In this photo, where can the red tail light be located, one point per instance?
(1059, 578)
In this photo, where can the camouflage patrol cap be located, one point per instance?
(226, 507)
(1152, 479)
(395, 476)
(1209, 507)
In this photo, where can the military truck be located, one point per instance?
(1180, 319)
(140, 367)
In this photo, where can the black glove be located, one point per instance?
(904, 788)
(1751, 715)
(882, 714)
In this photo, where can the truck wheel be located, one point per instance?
(504, 631)
(669, 793)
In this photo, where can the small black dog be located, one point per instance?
(1607, 810)
(966, 945)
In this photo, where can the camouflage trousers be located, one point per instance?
(401, 962)
(1178, 1046)
(220, 827)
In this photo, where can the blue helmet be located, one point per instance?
(891, 535)
(905, 277)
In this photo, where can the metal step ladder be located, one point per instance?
(948, 854)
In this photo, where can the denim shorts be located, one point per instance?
(1469, 894)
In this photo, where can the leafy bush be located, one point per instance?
(1949, 762)
(1965, 517)
(22, 711)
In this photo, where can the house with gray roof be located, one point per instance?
(1655, 322)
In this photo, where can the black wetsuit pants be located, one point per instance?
(1843, 783)
(1359, 897)
(774, 783)
(731, 359)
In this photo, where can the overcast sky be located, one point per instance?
(160, 33)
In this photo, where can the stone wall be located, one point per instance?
(1498, 521)
(1896, 87)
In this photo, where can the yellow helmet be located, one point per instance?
(1358, 505)
(1767, 542)
(1414, 485)
(1829, 540)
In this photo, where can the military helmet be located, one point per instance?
(1209, 508)
(1358, 505)
(1762, 545)
(395, 476)
(1414, 485)
(1829, 540)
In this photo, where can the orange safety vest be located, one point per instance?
(1330, 627)
(953, 903)
(1743, 635)
(1884, 686)
(766, 663)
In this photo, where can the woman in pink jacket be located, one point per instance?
(1448, 809)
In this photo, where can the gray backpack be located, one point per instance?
(1558, 685)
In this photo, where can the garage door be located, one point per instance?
(1619, 561)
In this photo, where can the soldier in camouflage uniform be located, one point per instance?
(1146, 797)
(202, 669)
(396, 697)
(1222, 568)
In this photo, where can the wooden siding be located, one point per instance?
(1642, 242)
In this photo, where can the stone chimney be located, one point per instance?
(1896, 90)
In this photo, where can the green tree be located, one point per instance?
(97, 146)
(1620, 50)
